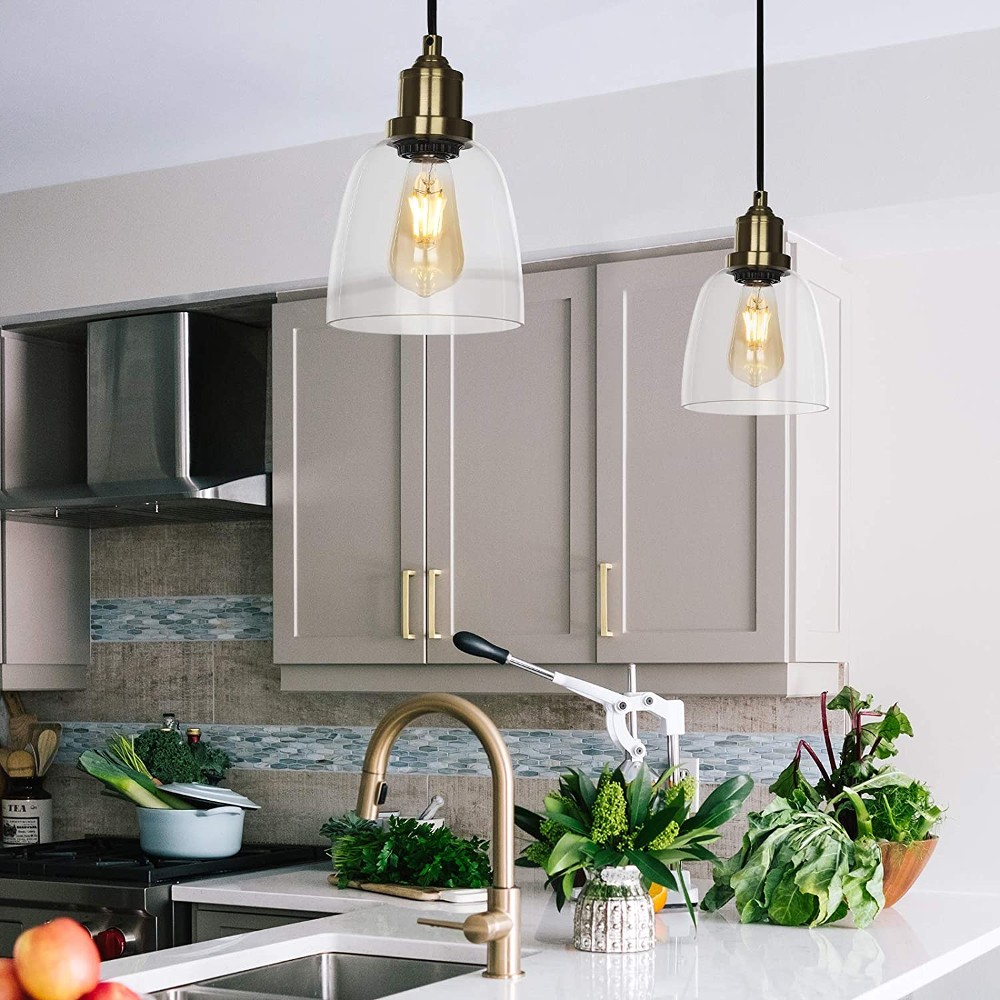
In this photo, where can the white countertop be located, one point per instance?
(304, 888)
(924, 937)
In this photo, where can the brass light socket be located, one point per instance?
(759, 256)
(430, 106)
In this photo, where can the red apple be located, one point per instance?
(110, 991)
(10, 987)
(57, 961)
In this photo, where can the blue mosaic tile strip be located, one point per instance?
(535, 753)
(180, 619)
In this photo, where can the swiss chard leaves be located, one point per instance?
(790, 780)
(849, 700)
(797, 866)
(812, 856)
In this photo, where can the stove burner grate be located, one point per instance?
(121, 860)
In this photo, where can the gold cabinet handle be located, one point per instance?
(408, 575)
(605, 569)
(432, 632)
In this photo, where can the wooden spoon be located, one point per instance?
(21, 722)
(47, 743)
(20, 764)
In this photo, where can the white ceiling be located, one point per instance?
(103, 87)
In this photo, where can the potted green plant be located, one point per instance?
(849, 845)
(622, 836)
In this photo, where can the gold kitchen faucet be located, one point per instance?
(499, 928)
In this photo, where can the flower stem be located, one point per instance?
(826, 730)
(858, 726)
(803, 745)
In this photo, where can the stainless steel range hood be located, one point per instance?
(176, 424)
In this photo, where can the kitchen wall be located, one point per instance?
(926, 541)
(231, 688)
(267, 220)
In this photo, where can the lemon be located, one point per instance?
(659, 894)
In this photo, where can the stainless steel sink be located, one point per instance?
(329, 976)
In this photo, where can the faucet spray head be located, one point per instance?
(371, 794)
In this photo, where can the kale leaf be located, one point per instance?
(212, 763)
(169, 757)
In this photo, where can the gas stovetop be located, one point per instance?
(122, 861)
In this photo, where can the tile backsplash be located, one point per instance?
(432, 750)
(180, 619)
(181, 623)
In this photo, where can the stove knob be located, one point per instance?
(111, 943)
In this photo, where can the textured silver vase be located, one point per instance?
(614, 913)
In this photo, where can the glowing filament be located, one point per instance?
(756, 353)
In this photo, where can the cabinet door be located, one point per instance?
(45, 578)
(213, 922)
(348, 491)
(510, 486)
(690, 507)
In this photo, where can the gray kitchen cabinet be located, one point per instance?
(209, 923)
(348, 492)
(504, 482)
(45, 567)
(719, 539)
(545, 488)
(510, 483)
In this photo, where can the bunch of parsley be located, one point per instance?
(405, 852)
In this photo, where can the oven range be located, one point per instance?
(122, 895)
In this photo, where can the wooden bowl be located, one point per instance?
(902, 865)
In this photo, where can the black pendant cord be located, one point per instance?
(760, 94)
(432, 17)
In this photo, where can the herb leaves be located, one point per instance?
(406, 852)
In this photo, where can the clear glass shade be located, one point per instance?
(755, 349)
(426, 246)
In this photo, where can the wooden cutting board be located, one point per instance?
(422, 893)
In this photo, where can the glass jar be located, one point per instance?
(614, 913)
(26, 813)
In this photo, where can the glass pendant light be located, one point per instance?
(755, 345)
(426, 241)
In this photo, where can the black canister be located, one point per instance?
(26, 812)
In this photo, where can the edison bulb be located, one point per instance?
(756, 353)
(426, 254)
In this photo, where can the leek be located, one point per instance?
(121, 750)
(127, 782)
